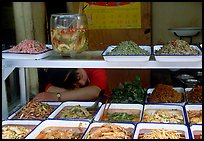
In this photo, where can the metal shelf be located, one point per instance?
(89, 59)
(96, 62)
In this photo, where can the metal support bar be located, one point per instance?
(4, 101)
(23, 96)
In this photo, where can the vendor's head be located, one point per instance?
(68, 77)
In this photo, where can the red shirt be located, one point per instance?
(98, 77)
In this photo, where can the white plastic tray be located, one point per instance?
(160, 126)
(126, 58)
(31, 124)
(99, 124)
(73, 103)
(177, 58)
(57, 123)
(55, 104)
(178, 89)
(121, 107)
(192, 107)
(13, 55)
(152, 108)
(195, 128)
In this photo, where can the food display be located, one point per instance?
(161, 134)
(34, 110)
(75, 112)
(177, 47)
(14, 132)
(194, 95)
(195, 116)
(59, 133)
(165, 94)
(127, 48)
(109, 131)
(164, 115)
(29, 46)
(129, 92)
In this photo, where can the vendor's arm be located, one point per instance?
(85, 93)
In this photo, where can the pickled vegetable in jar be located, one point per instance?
(69, 33)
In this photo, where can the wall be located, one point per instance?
(175, 14)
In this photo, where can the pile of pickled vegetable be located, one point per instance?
(127, 48)
(177, 47)
(129, 92)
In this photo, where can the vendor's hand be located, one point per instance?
(46, 96)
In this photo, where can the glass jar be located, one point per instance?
(69, 33)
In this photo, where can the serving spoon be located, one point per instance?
(95, 106)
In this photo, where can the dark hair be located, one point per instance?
(57, 77)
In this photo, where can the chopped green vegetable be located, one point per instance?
(127, 48)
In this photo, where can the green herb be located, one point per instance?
(129, 92)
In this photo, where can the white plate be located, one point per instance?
(186, 31)
(180, 127)
(178, 58)
(57, 123)
(122, 108)
(13, 55)
(126, 58)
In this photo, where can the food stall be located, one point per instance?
(134, 112)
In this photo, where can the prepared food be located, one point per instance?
(109, 131)
(177, 47)
(163, 115)
(165, 93)
(160, 134)
(195, 94)
(77, 111)
(195, 116)
(34, 110)
(122, 115)
(127, 48)
(14, 132)
(29, 46)
(60, 133)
